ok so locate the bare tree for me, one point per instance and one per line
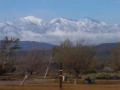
(8, 49)
(75, 58)
(115, 58)
(54, 51)
(30, 62)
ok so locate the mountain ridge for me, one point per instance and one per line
(29, 45)
(31, 28)
(102, 51)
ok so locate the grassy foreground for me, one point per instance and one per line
(56, 87)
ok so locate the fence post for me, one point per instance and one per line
(60, 75)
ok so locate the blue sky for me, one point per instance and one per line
(102, 10)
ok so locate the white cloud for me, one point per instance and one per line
(58, 36)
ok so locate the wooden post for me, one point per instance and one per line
(60, 75)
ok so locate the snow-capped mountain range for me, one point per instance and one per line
(31, 28)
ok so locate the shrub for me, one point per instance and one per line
(107, 70)
(104, 75)
(90, 71)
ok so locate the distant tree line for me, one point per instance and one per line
(76, 58)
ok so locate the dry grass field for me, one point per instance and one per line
(99, 85)
(56, 87)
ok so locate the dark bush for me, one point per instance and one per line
(2, 71)
(107, 76)
(89, 80)
(88, 71)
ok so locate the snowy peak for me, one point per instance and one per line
(29, 19)
(89, 20)
(85, 22)
(61, 20)
(31, 23)
(32, 19)
(57, 20)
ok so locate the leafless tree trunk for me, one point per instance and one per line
(26, 76)
(75, 81)
(48, 67)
